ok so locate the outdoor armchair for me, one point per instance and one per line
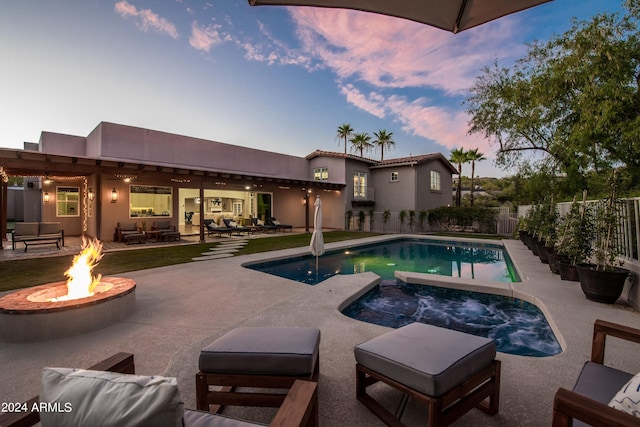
(110, 393)
(597, 385)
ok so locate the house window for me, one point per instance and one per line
(435, 181)
(237, 208)
(149, 200)
(360, 184)
(321, 174)
(67, 201)
(393, 177)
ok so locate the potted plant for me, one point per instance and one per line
(371, 213)
(574, 243)
(403, 215)
(361, 218)
(534, 225)
(349, 215)
(385, 218)
(546, 231)
(604, 280)
(412, 217)
(422, 217)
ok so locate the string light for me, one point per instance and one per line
(3, 175)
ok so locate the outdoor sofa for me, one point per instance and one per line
(110, 394)
(600, 386)
(37, 233)
(125, 229)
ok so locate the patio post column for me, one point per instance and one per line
(306, 211)
(3, 210)
(202, 210)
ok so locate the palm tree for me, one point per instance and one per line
(383, 139)
(344, 132)
(474, 156)
(360, 141)
(459, 157)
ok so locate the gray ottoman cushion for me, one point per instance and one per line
(263, 351)
(426, 358)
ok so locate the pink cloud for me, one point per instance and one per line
(397, 53)
(372, 104)
(202, 38)
(446, 127)
(146, 19)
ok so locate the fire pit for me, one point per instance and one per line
(61, 309)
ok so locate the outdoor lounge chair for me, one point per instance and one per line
(214, 228)
(279, 226)
(229, 223)
(125, 228)
(599, 387)
(126, 399)
(261, 226)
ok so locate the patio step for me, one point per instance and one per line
(221, 251)
(214, 256)
(226, 248)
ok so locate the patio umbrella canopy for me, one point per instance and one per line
(450, 15)
(316, 247)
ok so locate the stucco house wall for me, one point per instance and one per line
(394, 196)
(425, 197)
(155, 147)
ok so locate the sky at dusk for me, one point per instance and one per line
(275, 78)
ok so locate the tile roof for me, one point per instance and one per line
(416, 160)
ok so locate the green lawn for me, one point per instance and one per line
(23, 273)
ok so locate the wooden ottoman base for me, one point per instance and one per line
(445, 409)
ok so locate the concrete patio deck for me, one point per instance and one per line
(182, 308)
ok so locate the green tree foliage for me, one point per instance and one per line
(573, 101)
(383, 139)
(361, 142)
(458, 157)
(344, 132)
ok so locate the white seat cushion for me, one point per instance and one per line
(108, 399)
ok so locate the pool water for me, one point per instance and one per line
(453, 259)
(517, 326)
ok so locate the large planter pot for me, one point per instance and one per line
(568, 272)
(554, 261)
(523, 236)
(543, 253)
(602, 286)
(534, 245)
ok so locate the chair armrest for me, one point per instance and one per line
(300, 407)
(568, 405)
(601, 329)
(119, 362)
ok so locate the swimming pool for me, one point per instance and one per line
(467, 260)
(517, 326)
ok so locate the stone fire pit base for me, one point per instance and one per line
(25, 320)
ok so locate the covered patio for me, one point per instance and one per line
(99, 193)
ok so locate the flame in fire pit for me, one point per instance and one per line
(81, 283)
